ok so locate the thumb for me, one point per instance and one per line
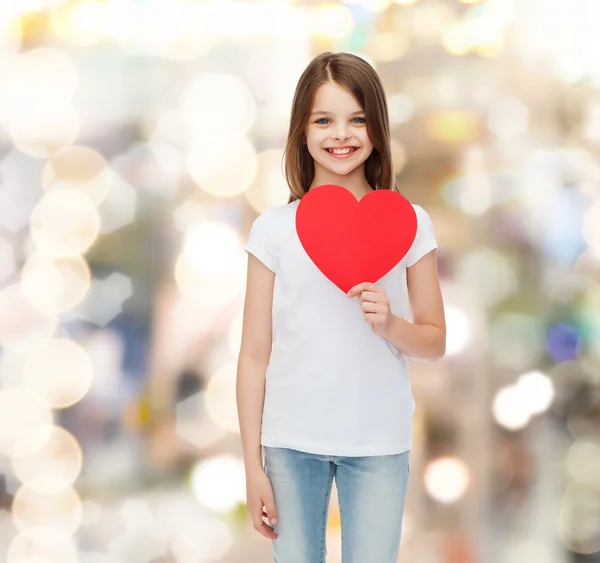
(271, 511)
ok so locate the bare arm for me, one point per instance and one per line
(255, 352)
(425, 337)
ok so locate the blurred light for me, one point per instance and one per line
(222, 166)
(192, 424)
(430, 19)
(119, 207)
(219, 483)
(40, 545)
(446, 479)
(388, 47)
(206, 539)
(60, 371)
(335, 21)
(583, 461)
(7, 259)
(405, 2)
(510, 408)
(481, 30)
(218, 102)
(210, 291)
(458, 332)
(234, 334)
(20, 410)
(269, 187)
(562, 342)
(155, 167)
(92, 513)
(11, 35)
(489, 273)
(220, 398)
(44, 135)
(399, 157)
(452, 126)
(578, 520)
(53, 284)
(79, 168)
(190, 213)
(35, 84)
(401, 108)
(517, 340)
(538, 390)
(64, 223)
(521, 550)
(592, 122)
(591, 228)
(47, 458)
(174, 30)
(60, 511)
(104, 302)
(84, 22)
(210, 247)
(22, 326)
(508, 117)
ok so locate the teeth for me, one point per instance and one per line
(340, 151)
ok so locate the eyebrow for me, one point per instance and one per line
(321, 111)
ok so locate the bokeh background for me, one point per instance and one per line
(139, 139)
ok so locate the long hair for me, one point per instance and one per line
(361, 80)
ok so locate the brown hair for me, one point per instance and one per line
(361, 80)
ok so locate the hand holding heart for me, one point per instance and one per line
(375, 305)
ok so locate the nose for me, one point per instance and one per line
(341, 136)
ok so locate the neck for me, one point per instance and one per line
(356, 184)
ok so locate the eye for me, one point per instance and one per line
(322, 118)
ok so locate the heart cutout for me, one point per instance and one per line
(353, 241)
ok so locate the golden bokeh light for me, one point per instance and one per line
(334, 20)
(51, 467)
(20, 410)
(453, 126)
(207, 290)
(218, 102)
(84, 22)
(42, 135)
(23, 326)
(80, 168)
(220, 398)
(60, 370)
(269, 188)
(40, 545)
(37, 82)
(55, 284)
(64, 223)
(60, 511)
(222, 166)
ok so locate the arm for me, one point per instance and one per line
(255, 352)
(425, 337)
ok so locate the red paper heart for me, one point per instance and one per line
(353, 241)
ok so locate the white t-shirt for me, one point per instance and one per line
(333, 386)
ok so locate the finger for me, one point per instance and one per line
(266, 531)
(357, 289)
(370, 296)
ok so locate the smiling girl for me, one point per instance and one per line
(324, 391)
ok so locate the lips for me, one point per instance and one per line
(331, 149)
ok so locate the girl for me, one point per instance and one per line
(322, 381)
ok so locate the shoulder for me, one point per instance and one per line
(423, 218)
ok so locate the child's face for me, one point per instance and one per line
(339, 126)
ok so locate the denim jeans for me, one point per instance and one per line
(371, 495)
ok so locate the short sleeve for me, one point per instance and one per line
(425, 240)
(260, 241)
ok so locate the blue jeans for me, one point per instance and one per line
(371, 495)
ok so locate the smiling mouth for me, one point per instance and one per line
(345, 152)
